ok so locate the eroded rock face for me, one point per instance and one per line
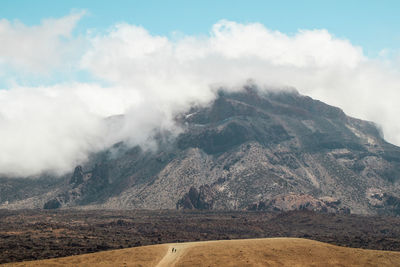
(52, 204)
(291, 202)
(202, 199)
(275, 150)
(77, 177)
(384, 203)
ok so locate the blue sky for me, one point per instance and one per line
(374, 25)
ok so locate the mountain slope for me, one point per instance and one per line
(247, 150)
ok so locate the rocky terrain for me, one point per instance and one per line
(41, 234)
(248, 150)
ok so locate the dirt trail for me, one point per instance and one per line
(171, 258)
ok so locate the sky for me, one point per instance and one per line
(372, 24)
(67, 66)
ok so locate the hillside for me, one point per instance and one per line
(246, 150)
(245, 252)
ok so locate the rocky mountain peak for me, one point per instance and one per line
(77, 177)
(271, 149)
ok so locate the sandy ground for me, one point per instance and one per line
(138, 256)
(244, 252)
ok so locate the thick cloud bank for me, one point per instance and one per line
(151, 78)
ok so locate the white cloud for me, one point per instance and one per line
(314, 61)
(40, 48)
(150, 78)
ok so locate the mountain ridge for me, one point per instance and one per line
(247, 149)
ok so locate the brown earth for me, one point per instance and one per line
(37, 234)
(139, 256)
(249, 252)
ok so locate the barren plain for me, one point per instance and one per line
(37, 234)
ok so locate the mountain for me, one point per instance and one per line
(247, 150)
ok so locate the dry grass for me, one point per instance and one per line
(139, 256)
(283, 252)
(246, 252)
